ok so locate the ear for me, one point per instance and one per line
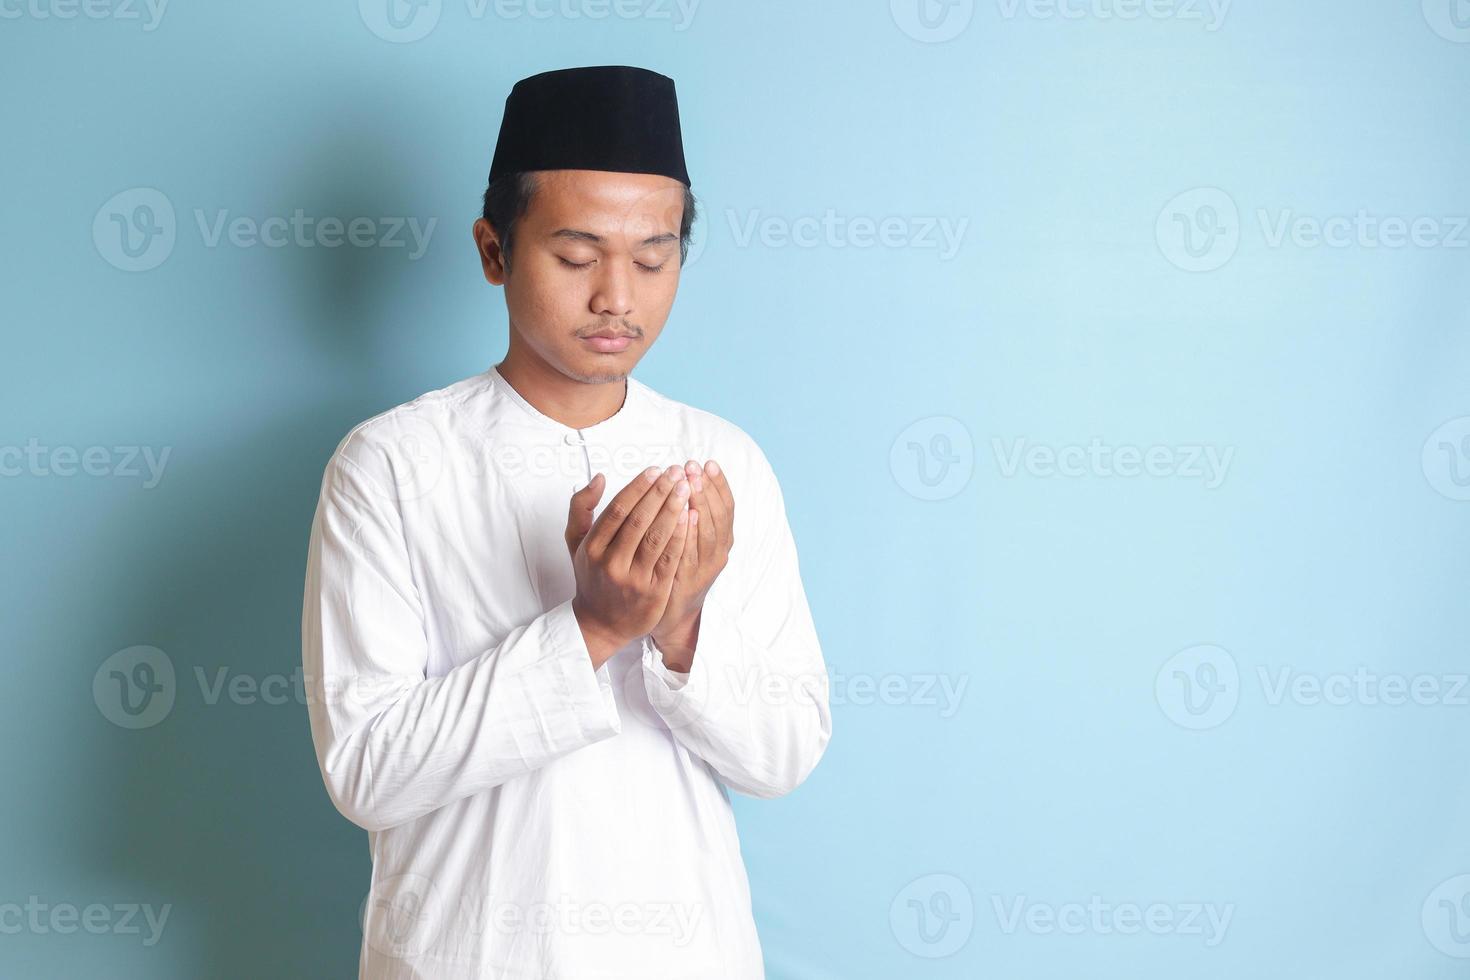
(492, 257)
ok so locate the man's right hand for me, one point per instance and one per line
(625, 562)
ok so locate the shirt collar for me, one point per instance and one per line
(633, 403)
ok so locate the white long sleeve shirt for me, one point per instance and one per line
(529, 816)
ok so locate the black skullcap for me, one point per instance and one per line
(611, 117)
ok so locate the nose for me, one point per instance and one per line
(612, 294)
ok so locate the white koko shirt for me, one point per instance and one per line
(529, 816)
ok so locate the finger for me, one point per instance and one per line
(708, 533)
(652, 547)
(694, 473)
(702, 531)
(625, 543)
(717, 477)
(689, 562)
(721, 507)
(617, 510)
(579, 511)
(667, 566)
(661, 528)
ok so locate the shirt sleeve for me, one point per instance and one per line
(754, 704)
(393, 744)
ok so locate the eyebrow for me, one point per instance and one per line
(572, 234)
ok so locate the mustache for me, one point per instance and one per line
(624, 329)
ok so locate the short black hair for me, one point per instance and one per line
(508, 196)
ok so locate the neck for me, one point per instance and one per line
(573, 403)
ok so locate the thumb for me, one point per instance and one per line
(579, 512)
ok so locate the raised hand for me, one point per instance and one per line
(625, 563)
(706, 552)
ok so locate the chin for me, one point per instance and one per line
(603, 369)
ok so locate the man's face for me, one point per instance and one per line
(594, 269)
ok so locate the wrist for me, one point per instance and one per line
(677, 642)
(601, 642)
(676, 658)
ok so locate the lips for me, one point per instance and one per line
(609, 343)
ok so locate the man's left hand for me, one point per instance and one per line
(706, 550)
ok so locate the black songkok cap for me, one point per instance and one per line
(611, 117)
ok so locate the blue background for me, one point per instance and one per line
(1077, 762)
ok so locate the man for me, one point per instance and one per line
(542, 640)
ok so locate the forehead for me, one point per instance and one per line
(616, 206)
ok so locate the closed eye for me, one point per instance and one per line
(588, 265)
